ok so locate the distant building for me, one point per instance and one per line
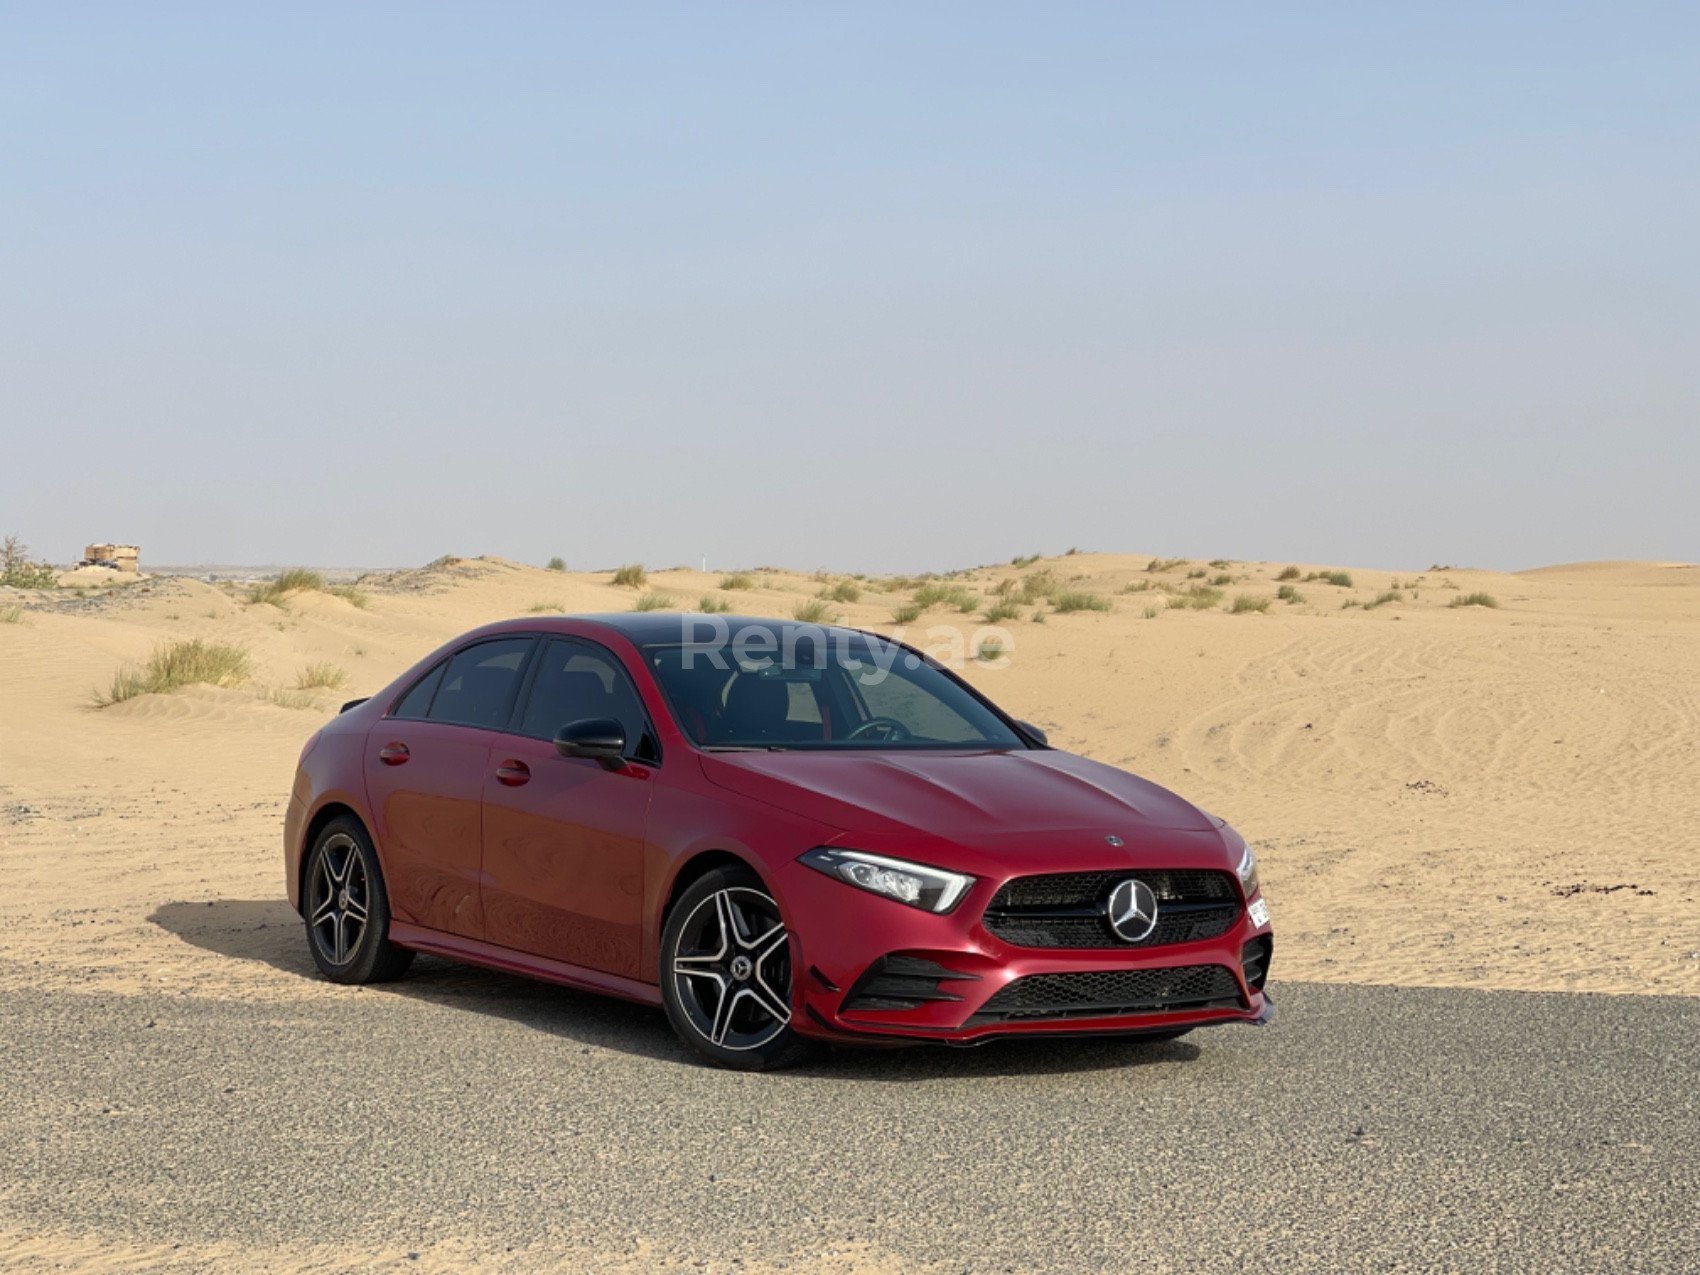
(124, 557)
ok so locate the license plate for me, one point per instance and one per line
(1258, 912)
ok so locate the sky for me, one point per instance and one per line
(870, 287)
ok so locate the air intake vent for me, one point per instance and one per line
(1112, 993)
(901, 982)
(1254, 960)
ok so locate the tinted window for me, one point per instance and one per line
(853, 691)
(478, 687)
(416, 701)
(576, 680)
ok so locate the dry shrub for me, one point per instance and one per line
(187, 663)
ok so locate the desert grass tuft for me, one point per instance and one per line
(11, 615)
(1474, 600)
(1222, 579)
(1001, 611)
(1138, 586)
(908, 613)
(632, 575)
(737, 580)
(283, 697)
(349, 594)
(1200, 597)
(1039, 587)
(1382, 599)
(1197, 573)
(1244, 602)
(990, 651)
(812, 611)
(556, 564)
(1080, 600)
(842, 591)
(1157, 565)
(1219, 563)
(933, 595)
(654, 600)
(1025, 560)
(186, 663)
(328, 676)
(1289, 594)
(1288, 573)
(295, 580)
(544, 608)
(1339, 579)
(708, 604)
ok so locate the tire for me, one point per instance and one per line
(726, 970)
(347, 909)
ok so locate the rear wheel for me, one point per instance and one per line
(726, 973)
(347, 909)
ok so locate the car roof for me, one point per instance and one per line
(643, 628)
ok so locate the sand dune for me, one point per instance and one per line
(1442, 795)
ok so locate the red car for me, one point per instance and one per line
(778, 832)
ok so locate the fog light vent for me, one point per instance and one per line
(1254, 960)
(901, 982)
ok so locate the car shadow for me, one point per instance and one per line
(269, 931)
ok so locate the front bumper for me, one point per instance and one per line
(846, 937)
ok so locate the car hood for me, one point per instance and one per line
(956, 796)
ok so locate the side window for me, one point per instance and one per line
(576, 680)
(478, 685)
(418, 700)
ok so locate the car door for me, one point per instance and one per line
(564, 836)
(425, 766)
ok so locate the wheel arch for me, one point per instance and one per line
(693, 870)
(324, 815)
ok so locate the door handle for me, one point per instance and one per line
(513, 773)
(393, 754)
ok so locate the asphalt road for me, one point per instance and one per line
(1368, 1128)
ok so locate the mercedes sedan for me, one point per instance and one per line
(778, 832)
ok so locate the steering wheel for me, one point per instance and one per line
(895, 731)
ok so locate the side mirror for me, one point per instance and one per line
(601, 738)
(1033, 730)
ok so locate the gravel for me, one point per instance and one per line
(1368, 1128)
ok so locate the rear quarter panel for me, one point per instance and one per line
(329, 774)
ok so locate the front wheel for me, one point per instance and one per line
(726, 973)
(348, 910)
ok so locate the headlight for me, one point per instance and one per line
(931, 889)
(1247, 872)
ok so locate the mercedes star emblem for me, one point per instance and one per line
(1133, 910)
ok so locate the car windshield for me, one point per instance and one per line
(786, 686)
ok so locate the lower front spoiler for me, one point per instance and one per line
(824, 1029)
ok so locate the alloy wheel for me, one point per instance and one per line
(339, 899)
(732, 969)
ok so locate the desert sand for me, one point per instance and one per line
(1440, 795)
(1495, 797)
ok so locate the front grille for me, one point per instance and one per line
(1112, 993)
(902, 982)
(1069, 909)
